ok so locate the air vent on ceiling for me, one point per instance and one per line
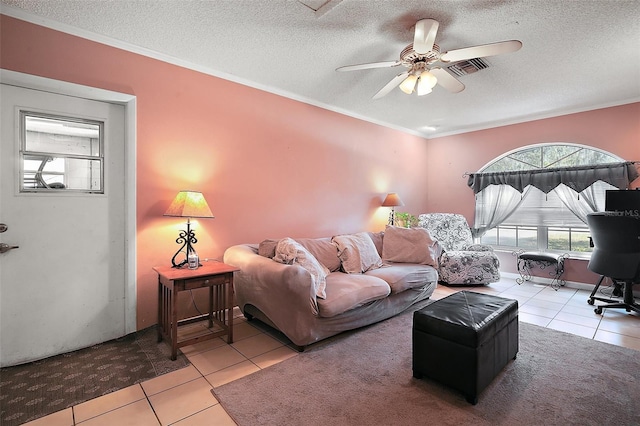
(468, 67)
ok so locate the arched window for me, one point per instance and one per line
(544, 215)
(549, 155)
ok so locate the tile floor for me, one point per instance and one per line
(184, 397)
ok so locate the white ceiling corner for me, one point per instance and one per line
(321, 6)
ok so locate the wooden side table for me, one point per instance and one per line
(218, 277)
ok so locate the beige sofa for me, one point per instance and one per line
(288, 297)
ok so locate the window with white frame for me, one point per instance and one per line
(60, 154)
(537, 197)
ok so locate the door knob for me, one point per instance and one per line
(6, 247)
(3, 227)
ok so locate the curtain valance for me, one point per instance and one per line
(577, 178)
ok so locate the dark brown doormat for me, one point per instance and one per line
(38, 388)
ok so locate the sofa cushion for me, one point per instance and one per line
(323, 250)
(290, 252)
(357, 252)
(469, 267)
(403, 276)
(348, 291)
(409, 245)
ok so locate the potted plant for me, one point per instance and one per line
(406, 220)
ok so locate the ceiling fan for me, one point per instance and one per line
(422, 59)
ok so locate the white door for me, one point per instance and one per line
(64, 287)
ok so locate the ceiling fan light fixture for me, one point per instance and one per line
(426, 83)
(428, 79)
(423, 90)
(409, 84)
(420, 59)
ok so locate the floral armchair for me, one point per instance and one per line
(461, 262)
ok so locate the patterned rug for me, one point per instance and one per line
(35, 389)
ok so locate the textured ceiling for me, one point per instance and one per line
(576, 55)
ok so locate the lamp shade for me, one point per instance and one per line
(427, 80)
(189, 204)
(392, 200)
(408, 84)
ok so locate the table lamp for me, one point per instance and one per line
(188, 204)
(392, 200)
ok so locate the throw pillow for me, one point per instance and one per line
(267, 248)
(290, 252)
(357, 253)
(377, 238)
(323, 250)
(410, 245)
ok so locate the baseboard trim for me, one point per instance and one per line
(568, 284)
(548, 281)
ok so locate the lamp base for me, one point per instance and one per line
(173, 259)
(186, 239)
(392, 217)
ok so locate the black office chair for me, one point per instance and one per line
(616, 254)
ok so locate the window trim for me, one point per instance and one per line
(23, 114)
(542, 145)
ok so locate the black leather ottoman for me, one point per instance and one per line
(465, 340)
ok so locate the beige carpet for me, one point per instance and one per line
(365, 378)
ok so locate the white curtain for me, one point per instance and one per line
(494, 204)
(588, 201)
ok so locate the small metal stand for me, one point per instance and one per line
(527, 260)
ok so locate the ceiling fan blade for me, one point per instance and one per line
(425, 35)
(481, 51)
(391, 85)
(447, 81)
(385, 64)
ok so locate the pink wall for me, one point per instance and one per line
(616, 130)
(268, 166)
